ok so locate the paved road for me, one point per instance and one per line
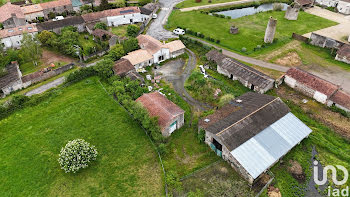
(46, 87)
(156, 28)
(246, 59)
(177, 73)
(215, 5)
(336, 32)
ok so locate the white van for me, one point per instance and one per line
(179, 31)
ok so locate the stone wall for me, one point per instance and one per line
(325, 42)
(40, 76)
(180, 122)
(300, 38)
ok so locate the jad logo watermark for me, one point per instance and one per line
(332, 191)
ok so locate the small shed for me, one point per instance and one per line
(170, 116)
(343, 54)
(253, 132)
(340, 99)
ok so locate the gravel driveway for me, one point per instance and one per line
(177, 73)
(45, 87)
(156, 28)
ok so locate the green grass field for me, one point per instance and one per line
(251, 28)
(120, 30)
(31, 139)
(193, 3)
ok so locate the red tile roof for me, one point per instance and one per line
(31, 28)
(94, 16)
(149, 43)
(54, 4)
(304, 2)
(341, 98)
(8, 9)
(122, 67)
(312, 81)
(31, 9)
(159, 106)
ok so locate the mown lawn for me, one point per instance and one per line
(251, 28)
(193, 3)
(31, 139)
(120, 30)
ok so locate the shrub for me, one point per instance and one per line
(225, 99)
(77, 154)
(162, 149)
(132, 30)
(101, 25)
(244, 49)
(201, 135)
(277, 7)
(80, 74)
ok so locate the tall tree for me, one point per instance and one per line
(130, 44)
(104, 5)
(132, 30)
(30, 49)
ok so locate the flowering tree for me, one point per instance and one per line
(76, 155)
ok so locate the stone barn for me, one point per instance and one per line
(253, 132)
(340, 99)
(170, 116)
(11, 81)
(236, 70)
(310, 85)
(343, 54)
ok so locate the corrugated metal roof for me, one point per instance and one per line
(258, 153)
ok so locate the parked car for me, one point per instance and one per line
(58, 18)
(179, 31)
(154, 16)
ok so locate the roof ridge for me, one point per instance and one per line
(246, 68)
(247, 116)
(160, 105)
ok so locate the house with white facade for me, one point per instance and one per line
(327, 3)
(115, 17)
(153, 51)
(12, 37)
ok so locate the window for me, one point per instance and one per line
(64, 7)
(20, 29)
(10, 30)
(29, 28)
(54, 9)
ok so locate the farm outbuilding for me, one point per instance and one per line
(170, 116)
(236, 70)
(343, 54)
(11, 81)
(310, 85)
(253, 132)
(340, 99)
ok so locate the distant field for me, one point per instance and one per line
(193, 3)
(31, 139)
(251, 28)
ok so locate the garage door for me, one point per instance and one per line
(172, 127)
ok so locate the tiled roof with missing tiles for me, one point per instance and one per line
(159, 106)
(312, 81)
(344, 52)
(122, 67)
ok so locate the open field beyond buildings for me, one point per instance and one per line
(193, 3)
(251, 28)
(31, 139)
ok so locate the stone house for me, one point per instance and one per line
(170, 116)
(56, 26)
(153, 51)
(58, 7)
(344, 6)
(252, 133)
(310, 85)
(11, 81)
(11, 16)
(340, 99)
(324, 42)
(13, 37)
(32, 12)
(236, 70)
(343, 54)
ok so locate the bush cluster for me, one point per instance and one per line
(200, 35)
(77, 154)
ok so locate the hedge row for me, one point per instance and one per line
(200, 35)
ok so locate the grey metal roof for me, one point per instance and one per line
(260, 152)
